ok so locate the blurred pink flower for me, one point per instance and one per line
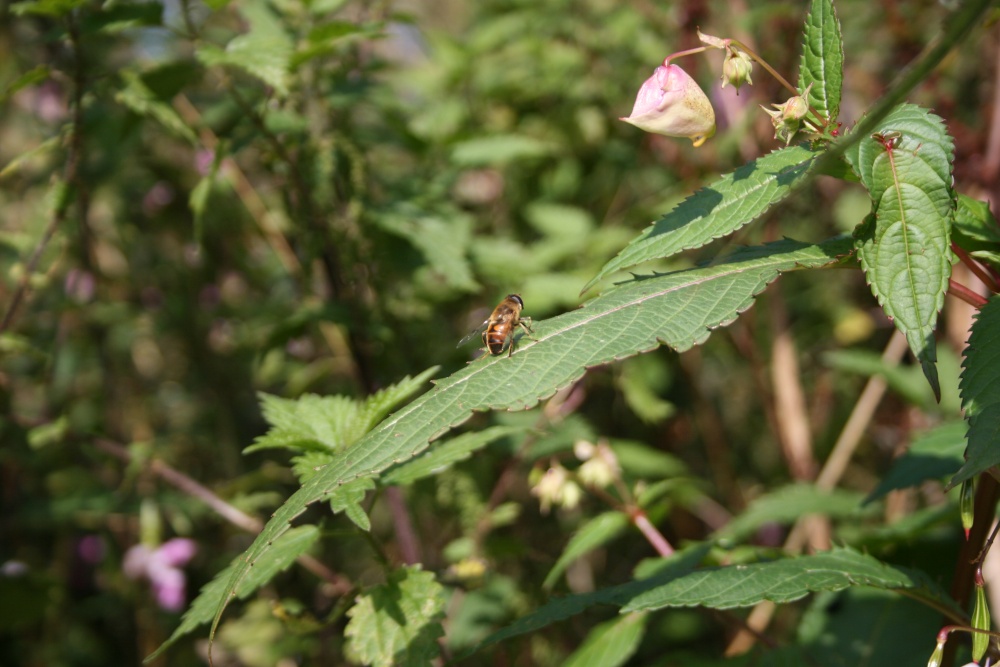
(672, 104)
(162, 566)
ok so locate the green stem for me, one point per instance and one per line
(773, 72)
(681, 54)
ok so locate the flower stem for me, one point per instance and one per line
(681, 54)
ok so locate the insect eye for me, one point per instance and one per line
(517, 298)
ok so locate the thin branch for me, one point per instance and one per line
(339, 585)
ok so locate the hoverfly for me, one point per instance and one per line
(501, 326)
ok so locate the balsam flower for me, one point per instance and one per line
(162, 566)
(671, 103)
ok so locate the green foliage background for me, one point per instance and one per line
(212, 209)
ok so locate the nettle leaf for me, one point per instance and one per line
(329, 423)
(597, 532)
(904, 246)
(610, 644)
(678, 309)
(823, 59)
(265, 52)
(719, 209)
(398, 622)
(787, 580)
(283, 552)
(980, 387)
(790, 503)
(932, 455)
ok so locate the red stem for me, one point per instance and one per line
(960, 291)
(976, 268)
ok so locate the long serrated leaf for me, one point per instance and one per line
(719, 209)
(602, 529)
(980, 388)
(678, 309)
(904, 247)
(787, 580)
(678, 565)
(823, 59)
(398, 622)
(790, 503)
(610, 644)
(283, 552)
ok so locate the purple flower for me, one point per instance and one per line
(162, 566)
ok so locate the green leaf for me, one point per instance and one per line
(678, 309)
(678, 565)
(600, 530)
(932, 455)
(980, 388)
(283, 552)
(398, 622)
(823, 59)
(498, 150)
(348, 499)
(904, 380)
(787, 580)
(264, 52)
(444, 455)
(53, 8)
(329, 423)
(904, 247)
(719, 209)
(137, 96)
(444, 243)
(786, 505)
(610, 644)
(34, 75)
(50, 144)
(976, 230)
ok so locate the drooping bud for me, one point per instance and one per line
(601, 468)
(736, 68)
(671, 103)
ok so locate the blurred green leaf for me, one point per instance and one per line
(788, 504)
(610, 644)
(595, 533)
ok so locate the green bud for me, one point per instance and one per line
(980, 621)
(736, 68)
(937, 656)
(966, 505)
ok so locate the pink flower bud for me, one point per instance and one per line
(671, 103)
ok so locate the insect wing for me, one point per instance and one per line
(478, 331)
